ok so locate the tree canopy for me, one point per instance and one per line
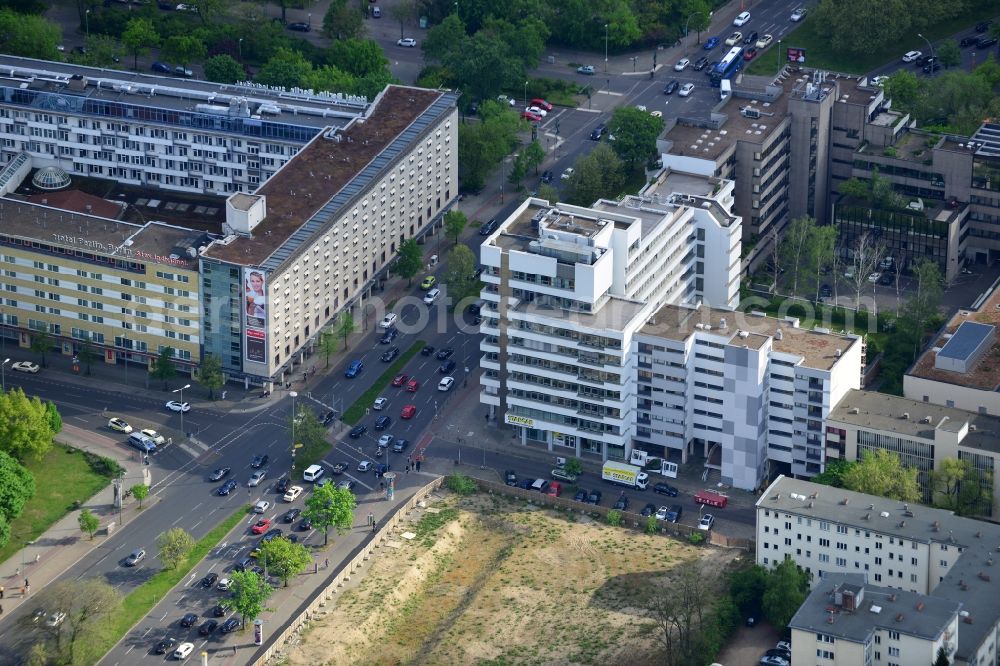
(787, 587)
(635, 133)
(29, 35)
(26, 425)
(284, 559)
(174, 545)
(248, 592)
(597, 175)
(881, 473)
(17, 486)
(330, 506)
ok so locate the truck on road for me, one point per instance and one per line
(624, 474)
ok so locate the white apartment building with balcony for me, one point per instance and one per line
(566, 289)
(915, 548)
(742, 390)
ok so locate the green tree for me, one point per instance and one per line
(455, 222)
(29, 36)
(358, 57)
(183, 49)
(518, 170)
(787, 588)
(223, 68)
(484, 65)
(163, 366)
(459, 274)
(833, 473)
(410, 260)
(331, 78)
(405, 11)
(881, 472)
(678, 611)
(924, 303)
(345, 326)
(88, 604)
(17, 486)
(174, 545)
(482, 145)
(87, 354)
(955, 485)
(343, 20)
(855, 188)
(292, 4)
(597, 175)
(285, 68)
(949, 53)
(699, 16)
(138, 38)
(248, 592)
(614, 518)
(140, 491)
(574, 466)
(444, 38)
(905, 88)
(41, 343)
(747, 587)
(635, 135)
(326, 343)
(330, 506)
(311, 434)
(548, 193)
(652, 525)
(88, 523)
(101, 51)
(284, 559)
(25, 425)
(53, 418)
(38, 655)
(794, 245)
(210, 374)
(820, 255)
(533, 155)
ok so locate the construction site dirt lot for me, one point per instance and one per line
(491, 580)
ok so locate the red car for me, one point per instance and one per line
(262, 526)
(409, 412)
(533, 117)
(541, 104)
(399, 380)
(412, 385)
(555, 489)
(750, 53)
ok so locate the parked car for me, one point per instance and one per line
(207, 627)
(188, 620)
(340, 468)
(292, 494)
(986, 42)
(428, 282)
(706, 522)
(665, 489)
(261, 526)
(165, 646)
(488, 228)
(541, 103)
(232, 624)
(209, 581)
(291, 515)
(385, 440)
(648, 510)
(26, 366)
(510, 478)
(184, 650)
(261, 506)
(621, 504)
(594, 497)
(160, 68)
(661, 513)
(562, 475)
(581, 495)
(911, 56)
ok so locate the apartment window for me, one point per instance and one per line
(824, 654)
(825, 526)
(894, 635)
(893, 651)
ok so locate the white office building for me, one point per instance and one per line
(915, 548)
(567, 287)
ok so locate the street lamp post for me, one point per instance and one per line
(3, 373)
(294, 395)
(181, 391)
(931, 47)
(778, 52)
(239, 45)
(125, 357)
(605, 48)
(86, 22)
(526, 94)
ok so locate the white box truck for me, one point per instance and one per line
(624, 474)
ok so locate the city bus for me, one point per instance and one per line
(728, 66)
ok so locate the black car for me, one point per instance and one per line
(581, 495)
(271, 534)
(284, 483)
(932, 67)
(488, 228)
(665, 489)
(594, 498)
(547, 177)
(305, 524)
(244, 564)
(510, 478)
(259, 570)
(188, 620)
(986, 42)
(259, 461)
(778, 652)
(825, 291)
(357, 431)
(598, 132)
(446, 367)
(427, 351)
(983, 26)
(389, 335)
(227, 487)
(219, 473)
(291, 515)
(671, 87)
(165, 646)
(209, 580)
(340, 468)
(886, 279)
(751, 38)
(526, 484)
(923, 60)
(207, 627)
(229, 625)
(160, 68)
(218, 610)
(329, 417)
(382, 422)
(621, 504)
(444, 354)
(298, 26)
(701, 63)
(390, 355)
(971, 40)
(648, 510)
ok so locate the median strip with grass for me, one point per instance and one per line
(355, 412)
(140, 601)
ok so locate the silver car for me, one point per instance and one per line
(256, 478)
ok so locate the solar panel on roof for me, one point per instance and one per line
(967, 339)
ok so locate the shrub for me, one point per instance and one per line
(461, 484)
(614, 518)
(652, 525)
(696, 538)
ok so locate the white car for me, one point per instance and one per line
(798, 14)
(765, 41)
(742, 18)
(431, 296)
(734, 39)
(661, 513)
(385, 440)
(878, 80)
(261, 506)
(911, 56)
(292, 493)
(567, 174)
(445, 384)
(183, 650)
(25, 366)
(681, 65)
(685, 89)
(256, 478)
(175, 406)
(656, 114)
(537, 110)
(224, 584)
(388, 320)
(119, 425)
(706, 522)
(873, 278)
(155, 436)
(365, 466)
(55, 619)
(380, 403)
(406, 41)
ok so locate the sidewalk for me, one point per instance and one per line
(63, 544)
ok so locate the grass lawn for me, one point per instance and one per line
(820, 55)
(52, 501)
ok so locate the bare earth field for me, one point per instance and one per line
(492, 581)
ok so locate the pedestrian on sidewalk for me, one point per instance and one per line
(1, 591)
(373, 526)
(26, 583)
(407, 469)
(326, 563)
(1, 609)
(37, 557)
